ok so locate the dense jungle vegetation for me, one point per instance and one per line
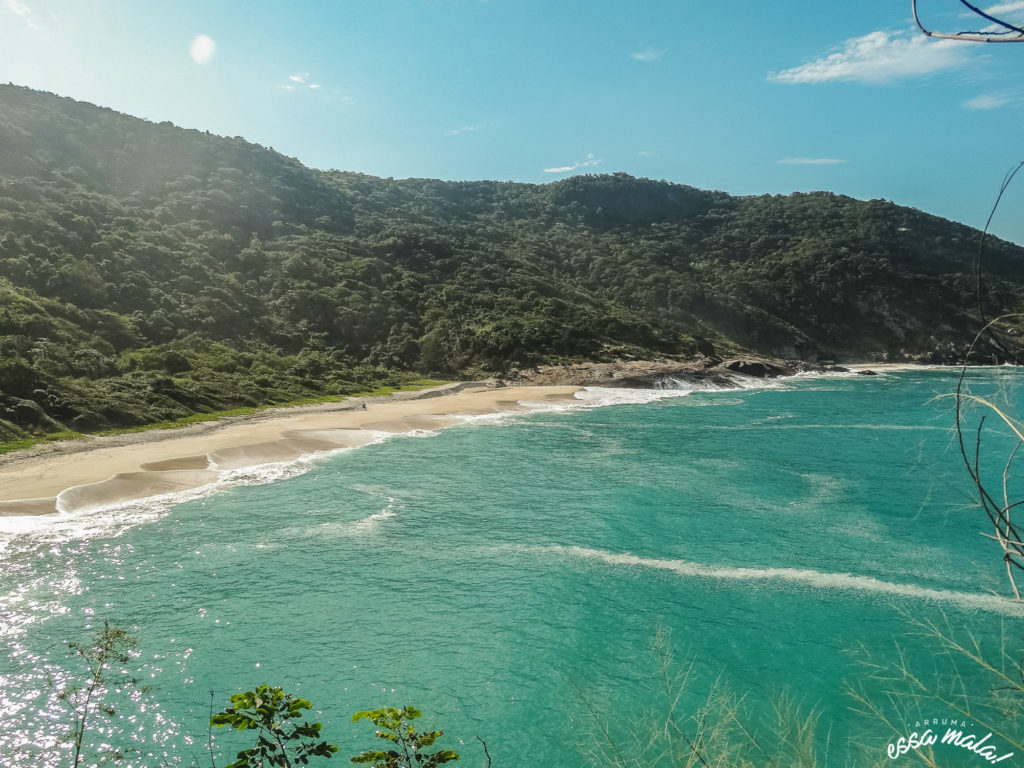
(149, 272)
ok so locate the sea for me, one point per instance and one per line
(651, 576)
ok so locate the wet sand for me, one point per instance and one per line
(105, 471)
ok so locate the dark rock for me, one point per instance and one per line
(705, 347)
(803, 366)
(761, 369)
(867, 372)
(632, 374)
(671, 379)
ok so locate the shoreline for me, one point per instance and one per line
(99, 472)
(106, 471)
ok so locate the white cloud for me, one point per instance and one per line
(987, 101)
(590, 162)
(999, 10)
(648, 54)
(463, 129)
(202, 49)
(809, 161)
(879, 57)
(23, 11)
(1011, 12)
(300, 80)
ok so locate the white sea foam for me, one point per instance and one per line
(363, 526)
(720, 401)
(883, 368)
(370, 523)
(600, 397)
(418, 433)
(794, 576)
(763, 424)
(112, 517)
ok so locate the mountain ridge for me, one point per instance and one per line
(151, 272)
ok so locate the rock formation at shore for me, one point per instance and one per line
(669, 374)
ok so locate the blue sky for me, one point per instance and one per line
(748, 97)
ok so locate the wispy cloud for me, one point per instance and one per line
(590, 162)
(463, 129)
(649, 54)
(300, 80)
(879, 57)
(1002, 9)
(202, 49)
(987, 101)
(809, 161)
(1011, 13)
(1005, 8)
(24, 12)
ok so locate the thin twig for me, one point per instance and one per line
(1007, 535)
(486, 753)
(1012, 34)
(209, 732)
(979, 292)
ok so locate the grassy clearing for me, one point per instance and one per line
(28, 442)
(198, 418)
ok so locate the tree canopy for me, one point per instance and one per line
(148, 272)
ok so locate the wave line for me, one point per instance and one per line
(808, 577)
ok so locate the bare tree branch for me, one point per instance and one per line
(1010, 34)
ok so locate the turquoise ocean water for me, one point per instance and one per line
(508, 576)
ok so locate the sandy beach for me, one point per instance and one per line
(108, 470)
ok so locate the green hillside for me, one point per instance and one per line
(149, 273)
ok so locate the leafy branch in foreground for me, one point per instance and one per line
(395, 725)
(280, 740)
(105, 657)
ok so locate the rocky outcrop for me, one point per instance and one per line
(633, 374)
(664, 374)
(653, 374)
(757, 367)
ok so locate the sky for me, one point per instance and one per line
(745, 96)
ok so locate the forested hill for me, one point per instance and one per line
(149, 272)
